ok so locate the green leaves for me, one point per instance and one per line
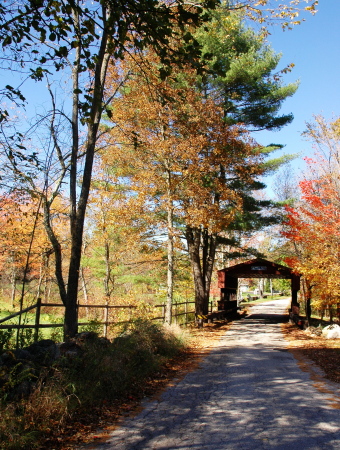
(41, 35)
(241, 73)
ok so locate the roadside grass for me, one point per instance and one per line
(8, 336)
(269, 298)
(104, 372)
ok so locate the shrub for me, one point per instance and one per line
(103, 371)
(106, 371)
(5, 338)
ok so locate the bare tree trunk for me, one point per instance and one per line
(330, 313)
(307, 294)
(193, 237)
(78, 210)
(47, 281)
(261, 287)
(13, 286)
(109, 280)
(170, 245)
(209, 253)
(85, 293)
(41, 277)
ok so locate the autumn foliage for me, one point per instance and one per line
(23, 243)
(171, 141)
(313, 224)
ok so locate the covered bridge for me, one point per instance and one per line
(255, 268)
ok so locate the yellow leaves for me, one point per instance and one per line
(285, 14)
(312, 8)
(335, 127)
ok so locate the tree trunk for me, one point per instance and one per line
(193, 237)
(109, 280)
(41, 276)
(308, 310)
(261, 287)
(70, 321)
(13, 286)
(78, 208)
(85, 293)
(170, 271)
(307, 293)
(202, 249)
(71, 309)
(47, 281)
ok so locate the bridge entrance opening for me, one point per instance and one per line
(255, 268)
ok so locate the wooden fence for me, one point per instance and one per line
(37, 325)
(179, 309)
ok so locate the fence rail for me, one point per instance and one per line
(37, 325)
(176, 312)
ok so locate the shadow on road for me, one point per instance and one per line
(266, 313)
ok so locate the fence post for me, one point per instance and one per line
(37, 320)
(164, 312)
(106, 318)
(186, 312)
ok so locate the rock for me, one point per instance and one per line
(90, 337)
(22, 390)
(43, 352)
(7, 359)
(70, 349)
(331, 332)
(313, 331)
(85, 336)
(23, 354)
(20, 369)
(104, 341)
(17, 377)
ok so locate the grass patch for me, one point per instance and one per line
(263, 300)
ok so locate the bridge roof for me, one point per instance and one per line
(257, 268)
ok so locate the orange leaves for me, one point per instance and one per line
(170, 143)
(17, 222)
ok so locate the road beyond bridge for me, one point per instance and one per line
(249, 393)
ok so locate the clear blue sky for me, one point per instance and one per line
(314, 48)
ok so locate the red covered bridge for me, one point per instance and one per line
(255, 268)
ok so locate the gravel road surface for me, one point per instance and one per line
(248, 393)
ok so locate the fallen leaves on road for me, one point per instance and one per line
(324, 352)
